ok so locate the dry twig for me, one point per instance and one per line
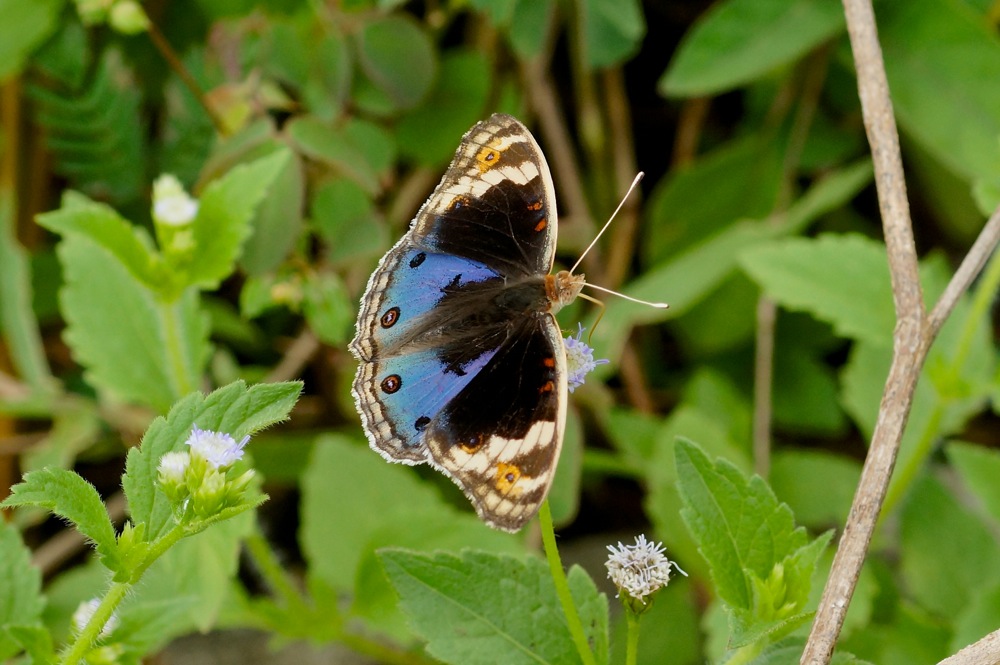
(915, 330)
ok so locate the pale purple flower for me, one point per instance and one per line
(219, 449)
(173, 466)
(579, 360)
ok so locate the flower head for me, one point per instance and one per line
(579, 360)
(85, 612)
(172, 206)
(219, 449)
(173, 466)
(640, 569)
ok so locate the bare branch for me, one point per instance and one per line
(984, 652)
(973, 263)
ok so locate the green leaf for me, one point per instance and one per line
(234, 409)
(349, 493)
(817, 485)
(937, 55)
(979, 468)
(198, 571)
(613, 30)
(130, 245)
(277, 224)
(744, 177)
(328, 307)
(740, 526)
(529, 26)
(841, 279)
(133, 346)
(399, 58)
(25, 25)
(21, 601)
(223, 222)
(472, 607)
(334, 147)
(338, 208)
(427, 531)
(686, 279)
(947, 553)
(35, 639)
(72, 498)
(18, 321)
(429, 134)
(739, 41)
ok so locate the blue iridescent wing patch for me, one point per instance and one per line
(462, 365)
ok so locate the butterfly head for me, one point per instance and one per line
(562, 288)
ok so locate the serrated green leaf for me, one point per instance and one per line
(613, 30)
(25, 26)
(72, 498)
(398, 57)
(132, 345)
(234, 409)
(130, 245)
(225, 209)
(843, 280)
(738, 523)
(473, 607)
(738, 41)
(425, 531)
(21, 601)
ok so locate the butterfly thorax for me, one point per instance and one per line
(562, 288)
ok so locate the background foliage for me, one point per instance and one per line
(312, 131)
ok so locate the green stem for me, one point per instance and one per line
(562, 585)
(183, 384)
(274, 575)
(86, 638)
(632, 645)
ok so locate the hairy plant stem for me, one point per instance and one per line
(562, 585)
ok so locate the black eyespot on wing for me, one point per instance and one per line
(390, 317)
(391, 383)
(421, 423)
(417, 260)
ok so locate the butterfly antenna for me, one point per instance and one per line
(658, 305)
(593, 242)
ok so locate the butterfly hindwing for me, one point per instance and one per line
(499, 438)
(461, 363)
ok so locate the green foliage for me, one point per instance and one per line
(761, 563)
(740, 41)
(95, 129)
(475, 606)
(309, 134)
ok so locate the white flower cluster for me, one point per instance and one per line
(172, 206)
(639, 569)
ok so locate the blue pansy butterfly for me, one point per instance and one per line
(462, 365)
